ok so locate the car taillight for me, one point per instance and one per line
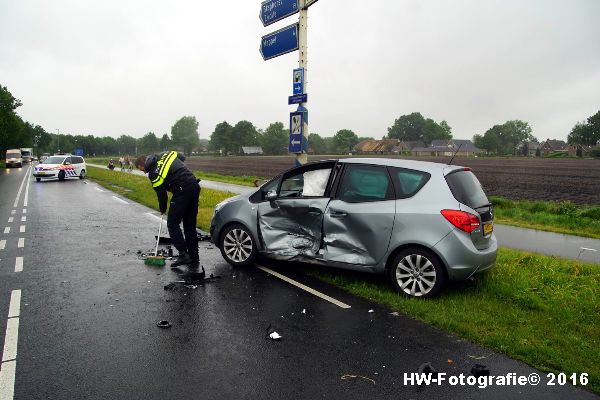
(462, 220)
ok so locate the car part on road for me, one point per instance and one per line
(156, 259)
(237, 245)
(480, 370)
(163, 324)
(417, 272)
(426, 368)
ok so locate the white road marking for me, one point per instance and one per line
(2, 244)
(7, 380)
(10, 219)
(14, 309)
(121, 200)
(21, 242)
(27, 189)
(13, 212)
(23, 218)
(7, 229)
(10, 340)
(21, 188)
(19, 264)
(304, 287)
(24, 211)
(153, 216)
(22, 229)
(98, 189)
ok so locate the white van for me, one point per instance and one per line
(13, 158)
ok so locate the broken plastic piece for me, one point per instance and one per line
(274, 336)
(348, 376)
(395, 314)
(371, 311)
(426, 368)
(163, 324)
(304, 311)
(480, 370)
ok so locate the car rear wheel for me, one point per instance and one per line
(417, 272)
(82, 174)
(237, 246)
(61, 175)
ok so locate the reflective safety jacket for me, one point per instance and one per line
(167, 172)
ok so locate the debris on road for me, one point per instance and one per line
(371, 311)
(274, 336)
(450, 361)
(395, 314)
(163, 324)
(480, 370)
(350, 376)
(479, 357)
(304, 311)
(426, 368)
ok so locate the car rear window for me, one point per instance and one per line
(466, 188)
(408, 181)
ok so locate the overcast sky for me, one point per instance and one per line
(115, 67)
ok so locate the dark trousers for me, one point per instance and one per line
(184, 208)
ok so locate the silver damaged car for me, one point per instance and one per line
(421, 223)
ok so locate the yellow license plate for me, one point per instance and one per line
(488, 228)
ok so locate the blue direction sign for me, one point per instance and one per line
(279, 42)
(274, 10)
(298, 81)
(298, 99)
(296, 128)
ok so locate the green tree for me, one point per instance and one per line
(165, 142)
(586, 133)
(243, 134)
(127, 144)
(12, 127)
(344, 140)
(414, 126)
(317, 143)
(275, 139)
(185, 134)
(220, 139)
(148, 143)
(504, 139)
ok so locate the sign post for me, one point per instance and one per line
(302, 157)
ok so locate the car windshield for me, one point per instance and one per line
(54, 160)
(25, 153)
(13, 155)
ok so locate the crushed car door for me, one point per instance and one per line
(358, 222)
(290, 224)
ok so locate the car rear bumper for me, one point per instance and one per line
(461, 257)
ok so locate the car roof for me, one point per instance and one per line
(426, 166)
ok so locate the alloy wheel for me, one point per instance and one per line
(237, 245)
(416, 275)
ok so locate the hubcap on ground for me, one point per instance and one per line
(416, 275)
(237, 245)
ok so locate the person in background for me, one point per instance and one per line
(167, 172)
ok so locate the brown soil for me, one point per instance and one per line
(515, 178)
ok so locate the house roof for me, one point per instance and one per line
(376, 145)
(556, 145)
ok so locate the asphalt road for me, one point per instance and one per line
(78, 319)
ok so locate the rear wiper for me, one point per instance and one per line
(485, 205)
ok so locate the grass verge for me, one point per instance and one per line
(139, 189)
(246, 180)
(542, 310)
(560, 217)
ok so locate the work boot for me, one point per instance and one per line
(182, 259)
(194, 264)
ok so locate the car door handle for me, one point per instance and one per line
(338, 214)
(314, 211)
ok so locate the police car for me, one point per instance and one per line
(60, 166)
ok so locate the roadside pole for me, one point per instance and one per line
(302, 157)
(291, 38)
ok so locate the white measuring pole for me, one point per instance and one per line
(302, 158)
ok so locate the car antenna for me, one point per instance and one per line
(457, 150)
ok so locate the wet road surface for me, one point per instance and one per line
(85, 309)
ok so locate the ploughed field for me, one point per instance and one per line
(515, 178)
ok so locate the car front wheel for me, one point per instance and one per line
(61, 175)
(82, 174)
(237, 246)
(417, 272)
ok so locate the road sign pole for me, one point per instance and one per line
(302, 158)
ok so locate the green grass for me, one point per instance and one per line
(561, 217)
(246, 180)
(542, 310)
(139, 189)
(2, 164)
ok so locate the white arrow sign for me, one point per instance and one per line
(296, 141)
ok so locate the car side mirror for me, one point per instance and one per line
(271, 195)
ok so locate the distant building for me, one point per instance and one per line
(370, 146)
(579, 150)
(528, 148)
(553, 146)
(460, 147)
(405, 147)
(251, 150)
